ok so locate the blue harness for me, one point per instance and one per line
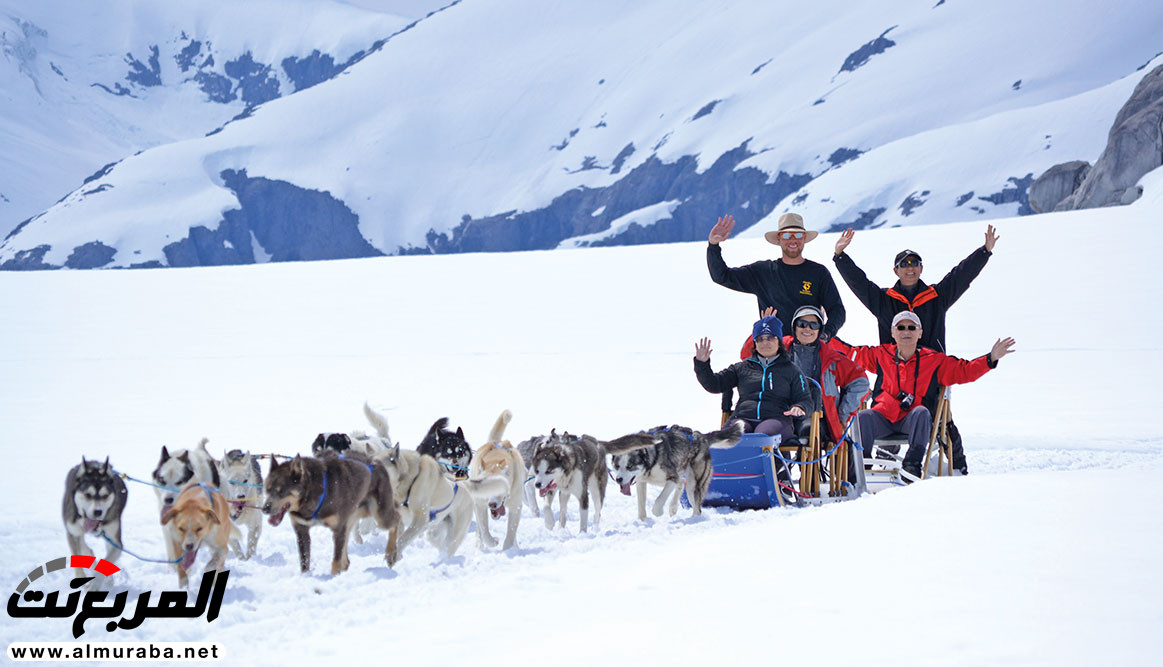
(431, 512)
(321, 498)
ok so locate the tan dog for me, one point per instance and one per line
(199, 516)
(428, 501)
(498, 460)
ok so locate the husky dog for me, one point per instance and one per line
(199, 516)
(94, 498)
(331, 491)
(428, 500)
(447, 447)
(242, 484)
(577, 467)
(356, 441)
(683, 452)
(175, 471)
(498, 458)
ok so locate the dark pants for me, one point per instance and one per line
(780, 427)
(917, 425)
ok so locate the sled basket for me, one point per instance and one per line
(744, 475)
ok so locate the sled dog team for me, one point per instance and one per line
(355, 482)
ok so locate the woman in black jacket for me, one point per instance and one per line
(771, 389)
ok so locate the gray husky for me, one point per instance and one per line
(682, 453)
(242, 485)
(94, 498)
(576, 466)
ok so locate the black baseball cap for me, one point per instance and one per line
(905, 254)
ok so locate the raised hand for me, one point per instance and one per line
(721, 230)
(845, 239)
(990, 238)
(796, 411)
(769, 311)
(703, 350)
(1001, 348)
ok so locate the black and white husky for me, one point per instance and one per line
(576, 466)
(242, 486)
(175, 471)
(682, 456)
(449, 448)
(94, 498)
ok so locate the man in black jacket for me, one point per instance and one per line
(784, 284)
(928, 302)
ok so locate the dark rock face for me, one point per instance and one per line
(29, 260)
(141, 74)
(1017, 193)
(704, 197)
(92, 255)
(1058, 183)
(288, 222)
(1134, 147)
(865, 220)
(256, 81)
(913, 201)
(315, 68)
(860, 57)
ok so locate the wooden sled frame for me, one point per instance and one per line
(938, 440)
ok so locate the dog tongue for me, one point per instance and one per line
(497, 511)
(625, 489)
(277, 518)
(188, 559)
(91, 525)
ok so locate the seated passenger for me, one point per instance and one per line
(843, 384)
(771, 389)
(906, 372)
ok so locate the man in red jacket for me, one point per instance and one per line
(905, 373)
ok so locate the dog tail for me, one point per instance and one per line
(498, 431)
(629, 443)
(726, 438)
(378, 421)
(486, 487)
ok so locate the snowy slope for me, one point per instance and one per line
(85, 84)
(1046, 554)
(506, 125)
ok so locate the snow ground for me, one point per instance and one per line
(1046, 554)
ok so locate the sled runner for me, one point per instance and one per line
(883, 459)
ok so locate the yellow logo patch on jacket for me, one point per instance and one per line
(807, 288)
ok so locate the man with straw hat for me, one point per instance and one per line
(786, 283)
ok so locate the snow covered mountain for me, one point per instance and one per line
(527, 124)
(85, 84)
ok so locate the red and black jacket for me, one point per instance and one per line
(929, 302)
(918, 375)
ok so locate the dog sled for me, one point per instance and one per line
(761, 472)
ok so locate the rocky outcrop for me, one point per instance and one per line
(1058, 183)
(1134, 147)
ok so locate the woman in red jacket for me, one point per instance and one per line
(906, 372)
(842, 383)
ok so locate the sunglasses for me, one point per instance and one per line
(807, 324)
(765, 338)
(906, 327)
(911, 261)
(787, 236)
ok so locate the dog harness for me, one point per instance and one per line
(431, 512)
(672, 428)
(321, 497)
